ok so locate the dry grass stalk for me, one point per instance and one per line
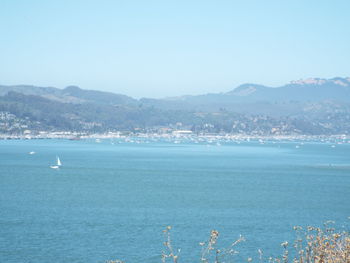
(209, 246)
(321, 246)
(169, 253)
(312, 245)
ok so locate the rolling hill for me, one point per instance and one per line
(312, 106)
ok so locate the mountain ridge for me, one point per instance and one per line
(242, 90)
(312, 106)
(70, 94)
(309, 90)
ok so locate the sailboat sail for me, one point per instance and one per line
(58, 161)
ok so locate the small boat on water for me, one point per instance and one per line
(58, 164)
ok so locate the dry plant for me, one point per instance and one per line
(312, 245)
(316, 245)
(220, 254)
(169, 251)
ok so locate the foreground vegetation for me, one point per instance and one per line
(312, 245)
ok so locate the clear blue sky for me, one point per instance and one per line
(167, 48)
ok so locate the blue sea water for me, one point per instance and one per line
(111, 200)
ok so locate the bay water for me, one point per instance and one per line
(111, 200)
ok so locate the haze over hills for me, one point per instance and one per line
(259, 99)
(71, 94)
(311, 106)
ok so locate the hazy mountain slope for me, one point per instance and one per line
(48, 114)
(253, 98)
(303, 90)
(29, 90)
(313, 106)
(71, 94)
(98, 96)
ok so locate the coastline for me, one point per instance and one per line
(173, 136)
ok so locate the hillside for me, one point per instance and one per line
(313, 106)
(291, 99)
(71, 94)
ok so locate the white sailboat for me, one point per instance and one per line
(58, 163)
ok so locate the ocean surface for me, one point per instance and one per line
(111, 200)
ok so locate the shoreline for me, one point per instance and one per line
(172, 136)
